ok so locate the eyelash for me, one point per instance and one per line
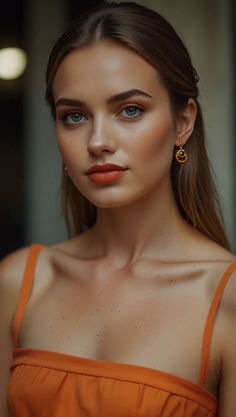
(133, 106)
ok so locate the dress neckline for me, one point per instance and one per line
(116, 370)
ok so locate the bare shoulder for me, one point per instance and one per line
(227, 390)
(12, 269)
(11, 273)
(223, 260)
(228, 301)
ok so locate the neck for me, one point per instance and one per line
(149, 227)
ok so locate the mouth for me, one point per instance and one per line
(105, 173)
(106, 167)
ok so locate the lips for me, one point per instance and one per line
(105, 174)
(105, 167)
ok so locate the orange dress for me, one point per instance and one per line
(51, 384)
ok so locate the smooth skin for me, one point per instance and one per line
(141, 272)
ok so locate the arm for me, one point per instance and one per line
(11, 274)
(227, 389)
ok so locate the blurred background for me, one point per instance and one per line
(30, 164)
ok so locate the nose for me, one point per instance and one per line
(100, 140)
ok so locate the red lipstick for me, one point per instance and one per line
(105, 173)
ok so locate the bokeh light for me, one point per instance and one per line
(13, 63)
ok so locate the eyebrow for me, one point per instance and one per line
(111, 100)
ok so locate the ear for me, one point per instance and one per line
(185, 122)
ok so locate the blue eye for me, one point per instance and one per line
(73, 118)
(132, 111)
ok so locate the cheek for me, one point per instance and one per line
(61, 142)
(69, 146)
(155, 141)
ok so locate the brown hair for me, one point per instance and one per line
(152, 37)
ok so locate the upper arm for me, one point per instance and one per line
(227, 389)
(11, 274)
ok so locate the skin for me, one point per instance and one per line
(141, 273)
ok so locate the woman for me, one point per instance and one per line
(120, 319)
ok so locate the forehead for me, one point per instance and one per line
(104, 67)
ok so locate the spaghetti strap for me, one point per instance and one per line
(25, 289)
(206, 343)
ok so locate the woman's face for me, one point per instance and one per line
(111, 107)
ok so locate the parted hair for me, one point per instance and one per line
(151, 36)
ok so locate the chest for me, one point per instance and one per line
(157, 323)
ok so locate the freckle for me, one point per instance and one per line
(63, 317)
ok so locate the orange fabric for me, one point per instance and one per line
(52, 384)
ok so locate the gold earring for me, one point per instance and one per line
(181, 156)
(66, 171)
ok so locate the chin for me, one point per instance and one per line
(115, 201)
(108, 204)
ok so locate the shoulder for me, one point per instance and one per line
(11, 273)
(225, 329)
(229, 295)
(12, 267)
(218, 261)
(227, 317)
(223, 264)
